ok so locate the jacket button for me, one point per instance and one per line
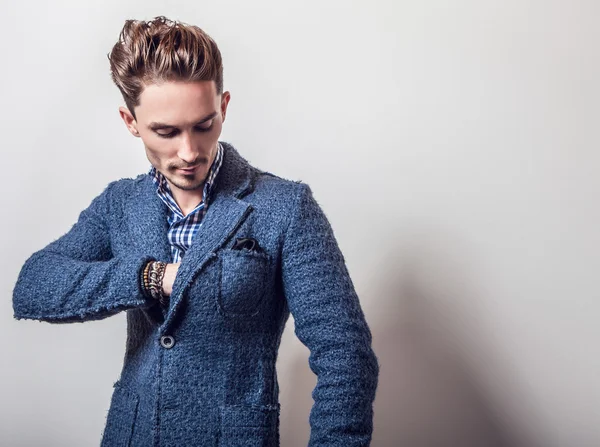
(167, 341)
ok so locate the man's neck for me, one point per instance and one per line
(187, 200)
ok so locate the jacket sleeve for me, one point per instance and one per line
(76, 277)
(330, 322)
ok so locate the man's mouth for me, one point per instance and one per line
(188, 170)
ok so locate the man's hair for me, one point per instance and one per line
(160, 50)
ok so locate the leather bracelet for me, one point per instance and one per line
(155, 281)
(151, 279)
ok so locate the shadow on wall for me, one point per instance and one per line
(299, 386)
(427, 394)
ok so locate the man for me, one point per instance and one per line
(207, 255)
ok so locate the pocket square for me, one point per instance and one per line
(247, 243)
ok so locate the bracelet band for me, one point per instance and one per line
(156, 274)
(152, 277)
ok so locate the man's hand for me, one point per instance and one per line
(169, 278)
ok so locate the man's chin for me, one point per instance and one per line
(188, 185)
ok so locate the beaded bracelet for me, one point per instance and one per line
(144, 279)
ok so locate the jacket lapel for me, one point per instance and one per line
(226, 211)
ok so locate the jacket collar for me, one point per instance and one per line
(148, 224)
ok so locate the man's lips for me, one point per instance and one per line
(188, 170)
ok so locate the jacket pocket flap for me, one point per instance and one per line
(250, 415)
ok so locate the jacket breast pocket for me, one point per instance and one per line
(243, 281)
(121, 418)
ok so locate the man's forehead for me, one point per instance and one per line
(178, 103)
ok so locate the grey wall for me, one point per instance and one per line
(454, 147)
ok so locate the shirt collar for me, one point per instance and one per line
(164, 191)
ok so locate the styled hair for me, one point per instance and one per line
(160, 50)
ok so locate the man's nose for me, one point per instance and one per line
(188, 151)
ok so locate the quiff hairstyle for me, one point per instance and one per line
(160, 50)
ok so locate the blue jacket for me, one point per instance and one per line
(202, 372)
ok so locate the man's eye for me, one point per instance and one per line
(172, 134)
(206, 128)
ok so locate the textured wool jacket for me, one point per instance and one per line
(202, 371)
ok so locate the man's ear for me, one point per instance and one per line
(129, 121)
(224, 102)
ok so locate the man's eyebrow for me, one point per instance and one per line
(157, 125)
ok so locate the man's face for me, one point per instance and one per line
(180, 124)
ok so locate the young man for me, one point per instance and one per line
(208, 256)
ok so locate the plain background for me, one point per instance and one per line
(453, 146)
